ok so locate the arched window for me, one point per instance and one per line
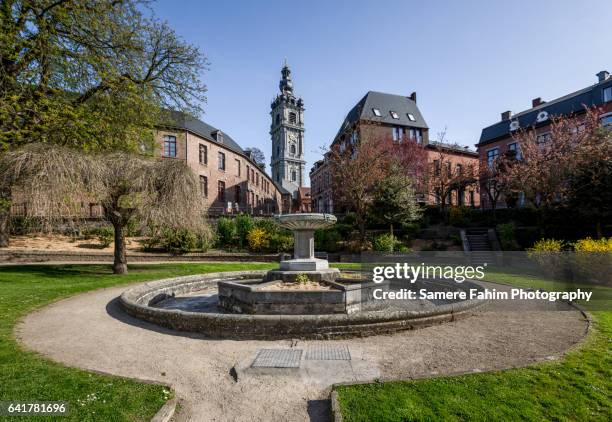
(292, 149)
(292, 117)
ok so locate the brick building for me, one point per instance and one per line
(378, 115)
(498, 138)
(230, 181)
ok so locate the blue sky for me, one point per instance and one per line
(467, 60)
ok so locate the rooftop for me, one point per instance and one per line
(540, 114)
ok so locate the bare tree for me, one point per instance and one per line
(53, 180)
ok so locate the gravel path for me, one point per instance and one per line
(90, 331)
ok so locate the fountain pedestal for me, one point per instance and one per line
(303, 227)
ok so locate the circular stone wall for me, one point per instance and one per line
(138, 302)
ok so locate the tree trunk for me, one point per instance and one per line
(120, 262)
(5, 215)
(391, 229)
(598, 230)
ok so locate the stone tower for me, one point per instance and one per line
(287, 132)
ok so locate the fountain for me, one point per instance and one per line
(304, 297)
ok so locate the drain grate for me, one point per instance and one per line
(277, 358)
(327, 352)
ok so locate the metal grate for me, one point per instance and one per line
(277, 358)
(327, 352)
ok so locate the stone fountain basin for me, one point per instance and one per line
(257, 297)
(305, 221)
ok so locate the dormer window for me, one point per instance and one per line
(219, 136)
(394, 114)
(411, 117)
(376, 112)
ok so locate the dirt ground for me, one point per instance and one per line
(90, 331)
(58, 242)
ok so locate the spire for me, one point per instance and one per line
(286, 85)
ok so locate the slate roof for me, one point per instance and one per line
(385, 103)
(568, 104)
(180, 120)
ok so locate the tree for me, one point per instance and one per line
(90, 74)
(257, 156)
(355, 173)
(548, 163)
(444, 176)
(395, 201)
(126, 185)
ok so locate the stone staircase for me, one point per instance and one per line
(479, 246)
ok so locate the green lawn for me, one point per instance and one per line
(577, 388)
(28, 376)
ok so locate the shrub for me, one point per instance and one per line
(266, 224)
(226, 232)
(178, 240)
(105, 236)
(328, 240)
(507, 236)
(258, 239)
(593, 259)
(459, 216)
(411, 230)
(281, 242)
(548, 254)
(244, 223)
(302, 278)
(384, 243)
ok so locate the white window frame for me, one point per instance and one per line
(376, 112)
(411, 117)
(394, 114)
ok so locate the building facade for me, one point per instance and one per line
(287, 134)
(498, 138)
(378, 115)
(230, 182)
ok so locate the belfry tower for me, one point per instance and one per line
(287, 132)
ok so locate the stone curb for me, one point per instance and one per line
(166, 412)
(42, 256)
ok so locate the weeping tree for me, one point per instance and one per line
(90, 74)
(128, 186)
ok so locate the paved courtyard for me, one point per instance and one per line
(215, 380)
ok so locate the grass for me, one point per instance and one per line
(25, 375)
(577, 388)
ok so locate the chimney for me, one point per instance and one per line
(413, 96)
(537, 101)
(603, 76)
(506, 115)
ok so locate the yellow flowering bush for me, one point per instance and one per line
(548, 254)
(593, 259)
(258, 239)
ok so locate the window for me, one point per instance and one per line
(416, 134)
(293, 176)
(460, 169)
(238, 169)
(543, 138)
(204, 186)
(221, 161)
(354, 137)
(606, 121)
(492, 155)
(277, 118)
(221, 191)
(169, 146)
(203, 154)
(411, 117)
(257, 179)
(516, 150)
(607, 94)
(292, 149)
(398, 133)
(394, 114)
(436, 167)
(292, 118)
(376, 112)
(448, 169)
(237, 194)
